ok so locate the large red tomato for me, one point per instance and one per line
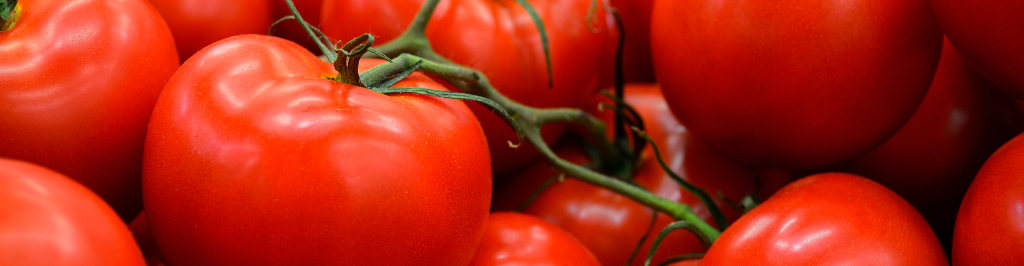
(49, 219)
(932, 159)
(198, 23)
(610, 224)
(990, 225)
(990, 34)
(829, 219)
(499, 39)
(519, 239)
(253, 157)
(636, 19)
(78, 80)
(791, 83)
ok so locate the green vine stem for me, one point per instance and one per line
(8, 14)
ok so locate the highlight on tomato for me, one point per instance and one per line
(78, 80)
(49, 219)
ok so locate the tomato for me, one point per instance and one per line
(988, 226)
(794, 84)
(140, 230)
(198, 23)
(79, 79)
(829, 219)
(253, 157)
(932, 159)
(990, 34)
(610, 224)
(499, 39)
(310, 11)
(49, 219)
(519, 239)
(636, 19)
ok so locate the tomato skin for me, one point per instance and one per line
(253, 157)
(79, 79)
(144, 238)
(519, 239)
(988, 226)
(636, 19)
(499, 39)
(829, 219)
(933, 158)
(198, 23)
(50, 219)
(610, 224)
(990, 34)
(794, 84)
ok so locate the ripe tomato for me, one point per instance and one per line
(988, 227)
(829, 219)
(519, 239)
(932, 159)
(198, 23)
(636, 19)
(990, 34)
(78, 80)
(794, 84)
(253, 157)
(499, 39)
(49, 219)
(611, 224)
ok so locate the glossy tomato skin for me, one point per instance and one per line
(636, 19)
(49, 219)
(79, 80)
(794, 84)
(988, 226)
(253, 157)
(499, 39)
(198, 23)
(990, 34)
(291, 30)
(610, 224)
(520, 239)
(933, 158)
(829, 219)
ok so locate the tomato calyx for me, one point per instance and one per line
(9, 10)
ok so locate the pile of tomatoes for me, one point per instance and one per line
(214, 132)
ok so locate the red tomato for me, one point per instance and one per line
(611, 224)
(990, 225)
(829, 219)
(79, 80)
(253, 157)
(519, 239)
(144, 238)
(49, 219)
(990, 34)
(794, 84)
(310, 11)
(636, 19)
(499, 39)
(198, 23)
(933, 158)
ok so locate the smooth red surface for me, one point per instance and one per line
(499, 39)
(829, 219)
(931, 161)
(794, 84)
(79, 80)
(198, 23)
(49, 219)
(990, 225)
(144, 238)
(636, 19)
(253, 157)
(990, 34)
(610, 224)
(520, 239)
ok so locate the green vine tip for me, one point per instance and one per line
(543, 38)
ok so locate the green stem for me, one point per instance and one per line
(326, 48)
(414, 39)
(530, 120)
(8, 14)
